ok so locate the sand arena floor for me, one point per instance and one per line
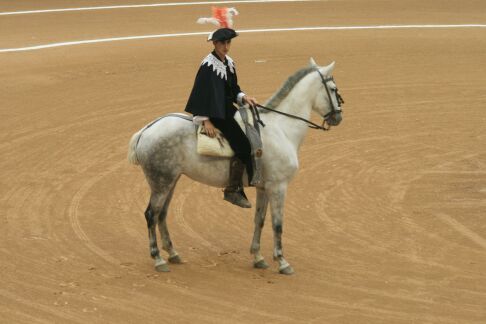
(384, 222)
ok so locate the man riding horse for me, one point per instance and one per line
(212, 100)
(165, 149)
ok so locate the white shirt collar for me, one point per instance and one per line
(218, 66)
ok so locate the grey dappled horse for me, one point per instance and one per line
(166, 149)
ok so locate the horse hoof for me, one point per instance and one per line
(260, 264)
(287, 270)
(176, 259)
(162, 268)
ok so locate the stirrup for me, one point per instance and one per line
(237, 197)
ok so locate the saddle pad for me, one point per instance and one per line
(218, 146)
(213, 146)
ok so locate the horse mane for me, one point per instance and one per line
(288, 85)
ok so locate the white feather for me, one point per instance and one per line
(208, 21)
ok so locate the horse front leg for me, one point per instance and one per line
(260, 212)
(276, 196)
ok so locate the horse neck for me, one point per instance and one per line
(298, 103)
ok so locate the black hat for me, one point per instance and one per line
(222, 34)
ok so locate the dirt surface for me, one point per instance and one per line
(383, 224)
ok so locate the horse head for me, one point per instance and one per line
(328, 101)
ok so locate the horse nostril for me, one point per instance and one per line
(335, 120)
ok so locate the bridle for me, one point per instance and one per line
(335, 109)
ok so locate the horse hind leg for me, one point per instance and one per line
(164, 232)
(154, 209)
(167, 244)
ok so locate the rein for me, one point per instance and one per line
(311, 124)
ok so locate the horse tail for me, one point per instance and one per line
(132, 148)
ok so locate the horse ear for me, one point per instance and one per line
(312, 62)
(327, 70)
(331, 66)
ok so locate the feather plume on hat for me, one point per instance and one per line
(222, 17)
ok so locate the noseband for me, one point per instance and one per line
(334, 110)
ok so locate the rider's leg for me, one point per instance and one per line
(241, 146)
(234, 191)
(237, 140)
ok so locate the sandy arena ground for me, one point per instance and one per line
(384, 222)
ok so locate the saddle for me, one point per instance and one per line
(218, 146)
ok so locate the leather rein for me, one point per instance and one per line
(312, 125)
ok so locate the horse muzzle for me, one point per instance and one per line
(334, 119)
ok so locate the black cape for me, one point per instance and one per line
(215, 88)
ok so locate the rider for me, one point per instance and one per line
(212, 101)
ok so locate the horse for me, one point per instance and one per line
(166, 149)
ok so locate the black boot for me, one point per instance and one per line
(234, 192)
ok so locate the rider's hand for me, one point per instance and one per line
(209, 128)
(250, 100)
